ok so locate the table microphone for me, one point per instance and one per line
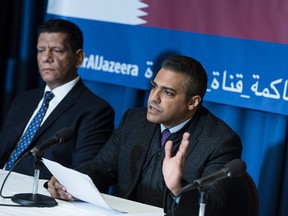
(234, 168)
(34, 199)
(63, 135)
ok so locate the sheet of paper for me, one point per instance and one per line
(78, 184)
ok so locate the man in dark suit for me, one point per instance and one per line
(60, 53)
(144, 171)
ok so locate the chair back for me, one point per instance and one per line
(244, 200)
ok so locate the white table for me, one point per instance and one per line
(18, 183)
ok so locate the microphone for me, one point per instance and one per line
(62, 136)
(234, 168)
(34, 199)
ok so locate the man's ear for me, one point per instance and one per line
(194, 102)
(80, 57)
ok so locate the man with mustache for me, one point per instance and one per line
(148, 172)
(71, 105)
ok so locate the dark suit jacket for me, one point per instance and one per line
(212, 144)
(89, 116)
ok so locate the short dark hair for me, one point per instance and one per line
(197, 79)
(74, 33)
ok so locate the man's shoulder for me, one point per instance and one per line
(212, 121)
(85, 96)
(137, 115)
(32, 93)
(137, 111)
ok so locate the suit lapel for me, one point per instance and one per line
(145, 140)
(62, 107)
(195, 129)
(24, 111)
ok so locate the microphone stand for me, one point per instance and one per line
(202, 203)
(34, 199)
(202, 198)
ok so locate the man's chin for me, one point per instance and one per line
(152, 118)
(48, 78)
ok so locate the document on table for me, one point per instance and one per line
(78, 184)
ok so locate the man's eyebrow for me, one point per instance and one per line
(163, 87)
(169, 89)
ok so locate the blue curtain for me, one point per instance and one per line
(19, 20)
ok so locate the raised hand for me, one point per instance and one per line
(173, 167)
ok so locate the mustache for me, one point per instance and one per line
(155, 105)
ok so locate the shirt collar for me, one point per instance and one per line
(61, 91)
(175, 128)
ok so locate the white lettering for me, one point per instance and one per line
(99, 63)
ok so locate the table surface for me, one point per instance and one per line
(19, 183)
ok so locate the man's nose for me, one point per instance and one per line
(155, 95)
(46, 56)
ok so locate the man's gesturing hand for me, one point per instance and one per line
(173, 166)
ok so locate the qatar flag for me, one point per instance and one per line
(241, 43)
(250, 19)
